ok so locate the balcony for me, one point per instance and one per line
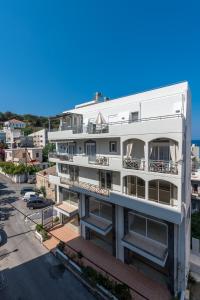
(86, 186)
(67, 208)
(100, 127)
(134, 163)
(147, 237)
(161, 166)
(99, 160)
(133, 154)
(61, 156)
(164, 156)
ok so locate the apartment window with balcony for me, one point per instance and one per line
(149, 228)
(113, 147)
(90, 150)
(100, 209)
(70, 197)
(134, 186)
(64, 169)
(105, 179)
(74, 173)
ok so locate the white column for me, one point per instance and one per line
(146, 154)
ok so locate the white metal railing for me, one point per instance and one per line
(99, 160)
(163, 166)
(61, 156)
(86, 186)
(104, 128)
(133, 163)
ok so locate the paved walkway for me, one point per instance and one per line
(99, 257)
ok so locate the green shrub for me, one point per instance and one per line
(121, 291)
(39, 227)
(56, 219)
(80, 254)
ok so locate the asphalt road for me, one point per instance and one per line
(29, 271)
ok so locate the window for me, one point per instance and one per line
(100, 209)
(64, 169)
(70, 197)
(105, 179)
(134, 186)
(37, 154)
(134, 116)
(149, 228)
(113, 147)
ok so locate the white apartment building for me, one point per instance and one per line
(12, 129)
(14, 124)
(123, 178)
(39, 138)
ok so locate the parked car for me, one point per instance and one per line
(36, 203)
(26, 189)
(30, 195)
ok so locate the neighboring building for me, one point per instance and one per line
(14, 124)
(13, 130)
(2, 136)
(123, 178)
(13, 137)
(24, 155)
(42, 180)
(39, 138)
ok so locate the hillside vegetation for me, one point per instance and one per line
(34, 122)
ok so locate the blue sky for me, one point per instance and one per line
(54, 54)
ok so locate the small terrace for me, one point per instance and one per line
(86, 186)
(133, 154)
(163, 156)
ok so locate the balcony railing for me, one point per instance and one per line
(99, 160)
(104, 128)
(133, 163)
(162, 166)
(63, 156)
(86, 186)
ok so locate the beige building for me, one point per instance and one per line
(42, 180)
(39, 138)
(24, 155)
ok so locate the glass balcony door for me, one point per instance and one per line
(105, 179)
(91, 151)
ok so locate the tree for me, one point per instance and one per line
(48, 148)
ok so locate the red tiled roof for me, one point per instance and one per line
(16, 121)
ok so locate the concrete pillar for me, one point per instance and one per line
(82, 214)
(119, 225)
(146, 155)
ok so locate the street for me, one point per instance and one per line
(28, 270)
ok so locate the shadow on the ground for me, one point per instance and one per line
(3, 238)
(6, 192)
(41, 278)
(2, 186)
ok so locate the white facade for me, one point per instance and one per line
(14, 124)
(129, 160)
(39, 138)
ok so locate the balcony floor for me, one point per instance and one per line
(125, 273)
